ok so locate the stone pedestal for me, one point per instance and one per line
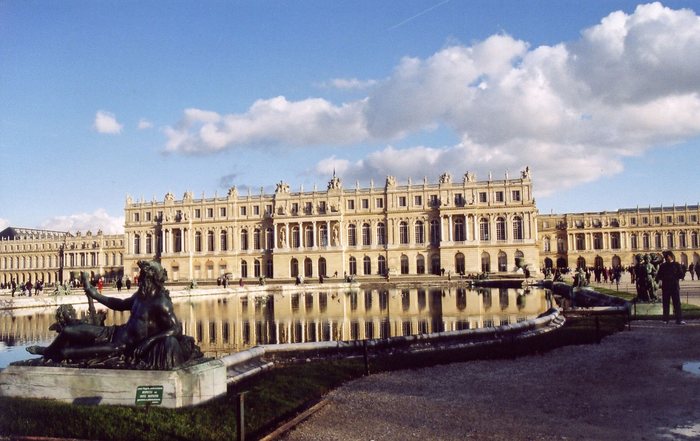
(182, 387)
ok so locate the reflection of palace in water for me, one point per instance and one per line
(226, 324)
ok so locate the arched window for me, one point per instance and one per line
(404, 264)
(500, 229)
(323, 235)
(581, 262)
(546, 245)
(502, 262)
(419, 233)
(149, 244)
(177, 240)
(657, 241)
(548, 262)
(256, 239)
(322, 270)
(269, 268)
(459, 230)
(435, 232)
(485, 262)
(484, 229)
(381, 265)
(633, 242)
(244, 269)
(366, 265)
(294, 267)
(381, 234)
(517, 228)
(352, 266)
(352, 235)
(210, 240)
(296, 242)
(403, 232)
(669, 241)
(682, 243)
(615, 240)
(366, 235)
(308, 267)
(459, 263)
(198, 242)
(137, 244)
(420, 264)
(223, 240)
(645, 241)
(580, 241)
(598, 241)
(256, 268)
(309, 236)
(269, 239)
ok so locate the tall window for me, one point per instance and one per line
(381, 265)
(420, 264)
(645, 241)
(244, 239)
(682, 242)
(366, 235)
(419, 233)
(244, 268)
(657, 241)
(149, 244)
(256, 268)
(257, 243)
(403, 232)
(500, 228)
(633, 242)
(323, 235)
(353, 266)
(366, 265)
(270, 239)
(309, 235)
(435, 232)
(404, 264)
(137, 244)
(517, 228)
(547, 246)
(484, 229)
(381, 234)
(580, 242)
(352, 235)
(177, 239)
(198, 241)
(669, 241)
(223, 240)
(296, 242)
(615, 241)
(459, 230)
(598, 241)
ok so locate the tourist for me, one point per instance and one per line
(128, 283)
(28, 288)
(669, 274)
(119, 284)
(691, 270)
(13, 285)
(100, 284)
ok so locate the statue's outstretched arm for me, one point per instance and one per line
(110, 302)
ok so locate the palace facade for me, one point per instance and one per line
(612, 238)
(452, 227)
(424, 228)
(28, 254)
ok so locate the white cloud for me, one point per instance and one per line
(349, 84)
(83, 222)
(106, 122)
(572, 111)
(145, 124)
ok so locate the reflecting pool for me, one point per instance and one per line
(222, 324)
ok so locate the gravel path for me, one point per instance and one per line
(630, 387)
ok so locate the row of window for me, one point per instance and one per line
(364, 204)
(52, 261)
(646, 241)
(459, 234)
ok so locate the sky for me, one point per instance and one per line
(100, 100)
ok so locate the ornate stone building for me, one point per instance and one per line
(612, 238)
(459, 227)
(28, 254)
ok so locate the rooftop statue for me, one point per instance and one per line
(150, 339)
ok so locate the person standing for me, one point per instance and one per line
(670, 273)
(691, 270)
(119, 284)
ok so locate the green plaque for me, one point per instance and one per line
(146, 395)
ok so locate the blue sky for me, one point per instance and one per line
(104, 99)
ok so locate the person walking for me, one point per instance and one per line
(691, 270)
(119, 284)
(670, 273)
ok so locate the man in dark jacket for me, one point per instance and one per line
(670, 273)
